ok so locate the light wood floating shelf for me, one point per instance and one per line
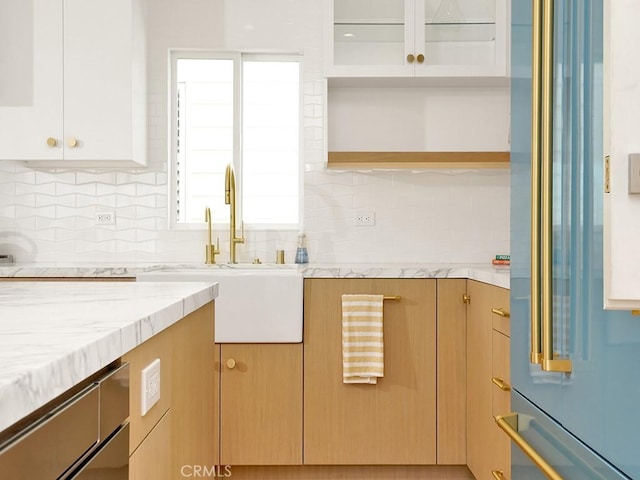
(418, 159)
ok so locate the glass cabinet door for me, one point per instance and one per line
(461, 34)
(368, 32)
(416, 37)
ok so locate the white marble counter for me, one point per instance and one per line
(498, 276)
(54, 335)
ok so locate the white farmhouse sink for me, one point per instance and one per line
(256, 304)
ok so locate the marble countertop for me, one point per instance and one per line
(53, 335)
(498, 276)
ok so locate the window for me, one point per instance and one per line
(242, 109)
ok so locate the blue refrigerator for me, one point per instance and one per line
(575, 368)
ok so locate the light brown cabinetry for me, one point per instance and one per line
(195, 389)
(153, 459)
(181, 429)
(452, 372)
(392, 422)
(157, 347)
(501, 391)
(483, 365)
(261, 404)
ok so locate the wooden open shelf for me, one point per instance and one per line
(418, 160)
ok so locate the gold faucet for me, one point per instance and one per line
(210, 250)
(230, 199)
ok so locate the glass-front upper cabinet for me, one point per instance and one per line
(440, 38)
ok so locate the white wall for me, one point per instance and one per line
(435, 216)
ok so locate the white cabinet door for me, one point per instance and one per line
(30, 79)
(621, 208)
(462, 38)
(424, 38)
(99, 43)
(368, 37)
(75, 91)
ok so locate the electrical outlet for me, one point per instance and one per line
(150, 386)
(365, 218)
(105, 218)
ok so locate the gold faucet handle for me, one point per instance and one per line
(211, 252)
(240, 239)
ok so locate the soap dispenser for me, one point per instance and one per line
(301, 253)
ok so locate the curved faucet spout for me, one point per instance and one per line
(230, 199)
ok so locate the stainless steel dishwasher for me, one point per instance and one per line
(81, 436)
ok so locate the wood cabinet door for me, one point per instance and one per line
(261, 404)
(195, 389)
(393, 421)
(501, 403)
(452, 372)
(479, 386)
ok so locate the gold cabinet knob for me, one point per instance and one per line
(420, 58)
(466, 298)
(231, 363)
(72, 142)
(52, 142)
(411, 58)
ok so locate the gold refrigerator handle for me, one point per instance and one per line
(549, 363)
(509, 424)
(536, 349)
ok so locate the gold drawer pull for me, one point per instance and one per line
(420, 58)
(501, 384)
(52, 142)
(391, 298)
(466, 298)
(231, 363)
(411, 58)
(500, 312)
(498, 475)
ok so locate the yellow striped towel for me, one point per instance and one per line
(362, 339)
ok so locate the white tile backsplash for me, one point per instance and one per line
(423, 216)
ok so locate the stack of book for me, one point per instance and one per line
(502, 260)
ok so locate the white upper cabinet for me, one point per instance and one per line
(426, 38)
(621, 142)
(75, 91)
(31, 80)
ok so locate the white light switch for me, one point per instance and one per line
(634, 173)
(150, 386)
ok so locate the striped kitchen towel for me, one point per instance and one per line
(362, 339)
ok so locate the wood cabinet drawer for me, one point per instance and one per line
(157, 347)
(501, 402)
(501, 311)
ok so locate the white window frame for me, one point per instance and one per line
(222, 221)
